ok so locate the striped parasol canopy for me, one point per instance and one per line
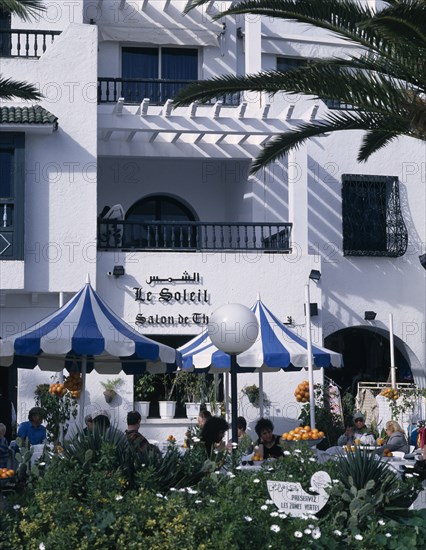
(85, 330)
(277, 347)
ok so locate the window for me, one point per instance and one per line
(5, 37)
(12, 185)
(146, 66)
(372, 220)
(142, 231)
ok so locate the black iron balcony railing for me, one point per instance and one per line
(193, 236)
(158, 91)
(25, 42)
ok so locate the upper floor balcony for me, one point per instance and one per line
(25, 42)
(192, 236)
(157, 90)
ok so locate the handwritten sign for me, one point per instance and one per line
(291, 498)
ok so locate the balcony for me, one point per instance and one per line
(158, 91)
(25, 43)
(161, 236)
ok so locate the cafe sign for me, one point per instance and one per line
(290, 497)
(173, 293)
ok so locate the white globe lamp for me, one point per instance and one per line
(233, 329)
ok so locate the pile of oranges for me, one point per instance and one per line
(301, 393)
(390, 393)
(57, 389)
(72, 384)
(6, 473)
(302, 433)
(171, 439)
(387, 452)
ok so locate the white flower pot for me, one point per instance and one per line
(214, 408)
(142, 407)
(192, 409)
(167, 409)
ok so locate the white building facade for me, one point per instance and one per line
(189, 225)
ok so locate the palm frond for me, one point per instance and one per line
(25, 9)
(372, 141)
(12, 88)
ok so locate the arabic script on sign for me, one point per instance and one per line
(185, 278)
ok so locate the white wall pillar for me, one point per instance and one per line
(253, 52)
(298, 198)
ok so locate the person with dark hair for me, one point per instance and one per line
(88, 420)
(101, 421)
(348, 437)
(213, 432)
(32, 432)
(8, 416)
(245, 444)
(203, 416)
(271, 442)
(139, 442)
(193, 432)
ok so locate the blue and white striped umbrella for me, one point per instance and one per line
(277, 347)
(86, 329)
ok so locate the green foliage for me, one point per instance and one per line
(145, 386)
(193, 386)
(253, 395)
(57, 411)
(326, 420)
(384, 80)
(85, 501)
(112, 384)
(368, 486)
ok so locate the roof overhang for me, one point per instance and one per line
(29, 128)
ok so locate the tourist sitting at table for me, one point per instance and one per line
(101, 421)
(4, 447)
(271, 442)
(395, 440)
(192, 434)
(31, 431)
(137, 440)
(362, 434)
(245, 444)
(88, 420)
(348, 437)
(212, 434)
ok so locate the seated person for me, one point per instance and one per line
(245, 444)
(213, 432)
(362, 434)
(4, 447)
(133, 435)
(88, 420)
(395, 440)
(193, 432)
(32, 432)
(100, 421)
(348, 437)
(271, 442)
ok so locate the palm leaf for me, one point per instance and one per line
(12, 88)
(25, 9)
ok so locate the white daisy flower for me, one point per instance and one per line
(298, 534)
(256, 480)
(283, 515)
(41, 546)
(192, 491)
(336, 480)
(307, 531)
(198, 501)
(286, 453)
(263, 507)
(388, 535)
(269, 501)
(316, 533)
(297, 451)
(248, 518)
(312, 459)
(337, 533)
(381, 522)
(275, 528)
(274, 514)
(118, 497)
(359, 537)
(212, 500)
(17, 507)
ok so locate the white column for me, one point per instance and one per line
(298, 198)
(253, 53)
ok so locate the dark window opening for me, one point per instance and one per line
(372, 220)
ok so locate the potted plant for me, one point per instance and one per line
(193, 388)
(145, 387)
(253, 395)
(168, 406)
(111, 386)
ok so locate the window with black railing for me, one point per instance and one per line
(373, 224)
